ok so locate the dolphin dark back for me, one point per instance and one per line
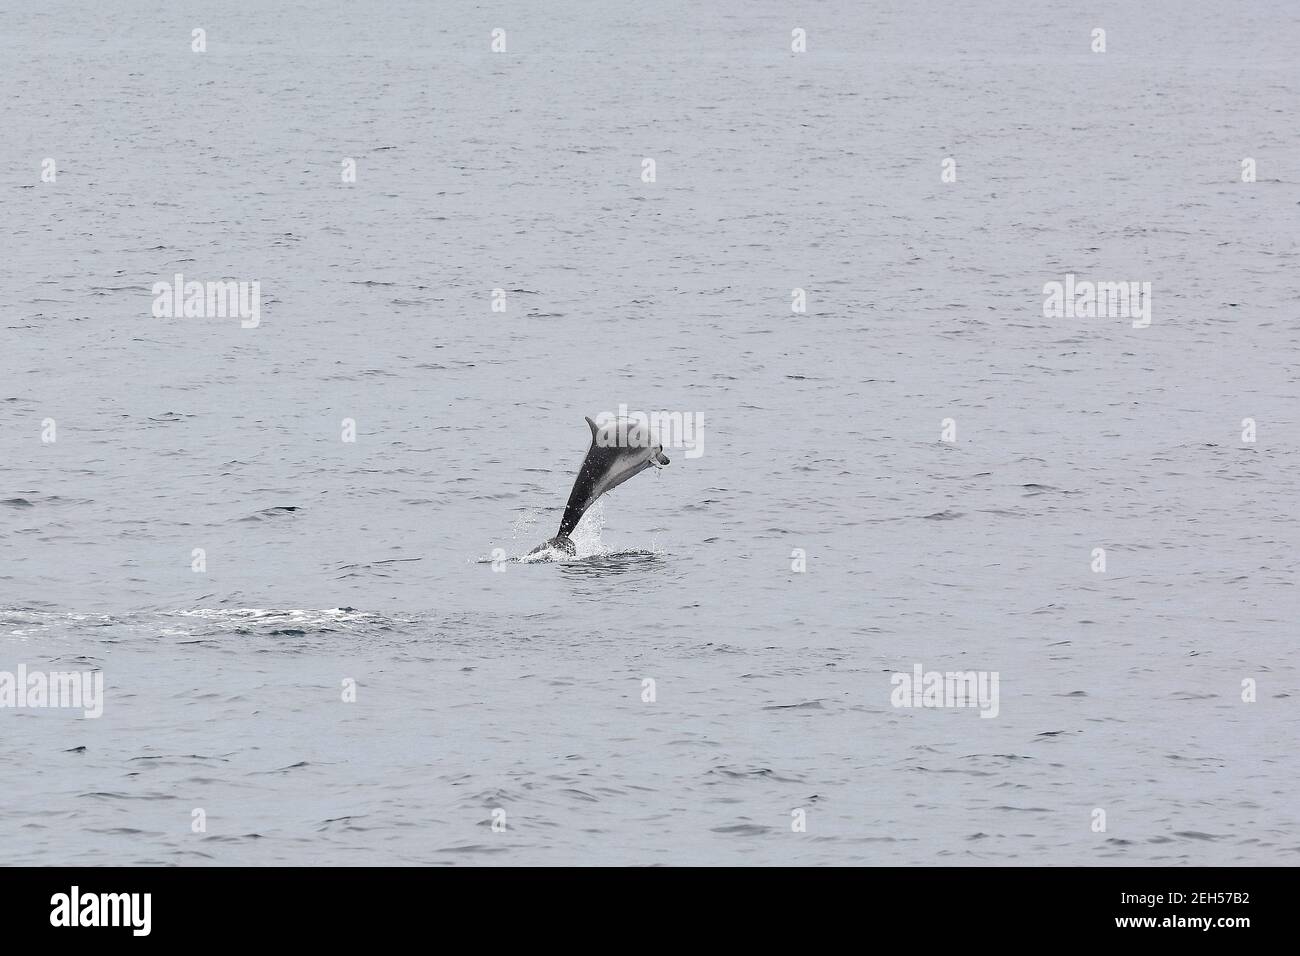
(580, 498)
(584, 493)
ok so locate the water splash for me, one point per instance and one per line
(588, 546)
(273, 620)
(586, 536)
(525, 525)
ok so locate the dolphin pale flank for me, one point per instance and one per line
(618, 451)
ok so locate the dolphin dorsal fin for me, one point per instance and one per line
(593, 427)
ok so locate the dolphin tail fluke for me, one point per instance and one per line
(562, 543)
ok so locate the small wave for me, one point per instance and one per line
(614, 562)
(744, 829)
(806, 705)
(266, 514)
(289, 623)
(27, 621)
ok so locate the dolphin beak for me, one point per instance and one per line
(659, 459)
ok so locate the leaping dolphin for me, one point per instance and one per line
(615, 456)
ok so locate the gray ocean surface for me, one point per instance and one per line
(521, 690)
